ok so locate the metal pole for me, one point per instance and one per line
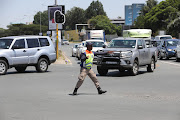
(40, 22)
(57, 49)
(55, 2)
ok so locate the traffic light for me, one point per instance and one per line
(59, 17)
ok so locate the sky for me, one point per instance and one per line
(22, 11)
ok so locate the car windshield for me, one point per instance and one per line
(97, 38)
(97, 44)
(156, 43)
(75, 46)
(172, 43)
(5, 43)
(165, 38)
(122, 44)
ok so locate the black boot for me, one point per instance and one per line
(100, 91)
(75, 91)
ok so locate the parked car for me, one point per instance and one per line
(168, 48)
(64, 41)
(23, 51)
(97, 46)
(74, 49)
(161, 37)
(178, 52)
(129, 54)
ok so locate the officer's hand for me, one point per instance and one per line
(110, 52)
(87, 57)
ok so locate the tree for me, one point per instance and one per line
(139, 22)
(119, 30)
(159, 17)
(22, 29)
(44, 18)
(164, 16)
(74, 16)
(95, 8)
(101, 22)
(149, 5)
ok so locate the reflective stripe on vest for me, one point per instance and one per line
(89, 61)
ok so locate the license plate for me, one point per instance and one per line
(107, 62)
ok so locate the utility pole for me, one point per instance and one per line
(55, 2)
(40, 22)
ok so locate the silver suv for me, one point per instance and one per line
(23, 51)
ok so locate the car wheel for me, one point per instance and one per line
(135, 69)
(102, 71)
(151, 66)
(72, 54)
(21, 69)
(177, 59)
(166, 56)
(3, 67)
(42, 65)
(159, 56)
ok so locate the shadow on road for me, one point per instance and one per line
(121, 74)
(26, 72)
(85, 94)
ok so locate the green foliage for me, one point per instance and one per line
(21, 29)
(44, 18)
(149, 5)
(101, 22)
(119, 30)
(164, 16)
(139, 22)
(95, 8)
(74, 16)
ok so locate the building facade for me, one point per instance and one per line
(132, 12)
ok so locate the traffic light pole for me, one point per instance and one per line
(57, 41)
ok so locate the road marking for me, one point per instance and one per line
(171, 63)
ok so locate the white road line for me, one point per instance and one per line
(170, 63)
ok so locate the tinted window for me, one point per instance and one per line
(165, 38)
(139, 43)
(19, 44)
(75, 46)
(172, 43)
(97, 44)
(122, 44)
(32, 43)
(44, 42)
(5, 43)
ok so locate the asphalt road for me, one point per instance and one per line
(46, 96)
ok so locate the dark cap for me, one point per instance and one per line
(88, 43)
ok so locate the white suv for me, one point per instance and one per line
(23, 51)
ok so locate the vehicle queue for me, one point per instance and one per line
(166, 46)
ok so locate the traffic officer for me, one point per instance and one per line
(86, 68)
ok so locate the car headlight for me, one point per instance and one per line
(126, 54)
(170, 49)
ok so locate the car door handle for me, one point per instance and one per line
(24, 50)
(38, 49)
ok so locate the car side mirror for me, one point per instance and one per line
(140, 47)
(104, 46)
